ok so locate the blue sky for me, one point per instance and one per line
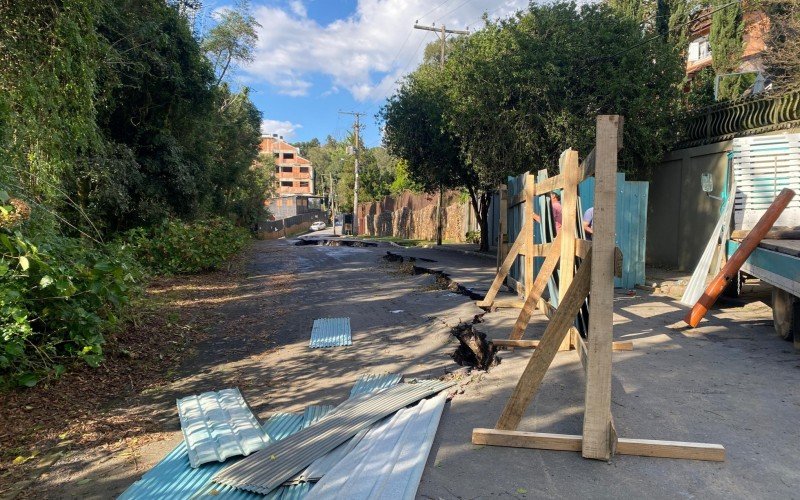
(316, 57)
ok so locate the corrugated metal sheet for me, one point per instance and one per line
(313, 414)
(174, 478)
(389, 460)
(374, 382)
(330, 332)
(762, 167)
(266, 470)
(219, 425)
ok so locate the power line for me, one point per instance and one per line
(433, 9)
(455, 9)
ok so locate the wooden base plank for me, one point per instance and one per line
(522, 439)
(574, 442)
(508, 303)
(671, 449)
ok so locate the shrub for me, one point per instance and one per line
(176, 247)
(473, 237)
(57, 299)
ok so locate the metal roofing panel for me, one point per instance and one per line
(173, 477)
(330, 332)
(374, 382)
(267, 469)
(389, 460)
(219, 425)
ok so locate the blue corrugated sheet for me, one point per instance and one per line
(330, 332)
(173, 477)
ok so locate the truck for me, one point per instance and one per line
(760, 167)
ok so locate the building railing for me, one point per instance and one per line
(748, 116)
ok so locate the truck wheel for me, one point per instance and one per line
(785, 313)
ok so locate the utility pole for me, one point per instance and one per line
(356, 130)
(442, 34)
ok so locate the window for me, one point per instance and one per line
(286, 169)
(303, 184)
(277, 169)
(303, 170)
(286, 183)
(699, 49)
(288, 156)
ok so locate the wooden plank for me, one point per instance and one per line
(532, 297)
(522, 439)
(502, 237)
(597, 442)
(582, 247)
(508, 303)
(671, 449)
(503, 271)
(779, 234)
(569, 218)
(524, 344)
(549, 184)
(572, 442)
(537, 366)
(530, 186)
(517, 199)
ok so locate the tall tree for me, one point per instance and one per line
(727, 45)
(783, 43)
(232, 39)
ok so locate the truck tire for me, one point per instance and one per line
(785, 313)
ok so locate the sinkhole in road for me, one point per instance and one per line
(335, 242)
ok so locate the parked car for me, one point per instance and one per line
(317, 226)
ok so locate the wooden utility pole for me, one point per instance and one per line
(356, 130)
(442, 34)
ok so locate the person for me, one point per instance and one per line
(555, 202)
(588, 221)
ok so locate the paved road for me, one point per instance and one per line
(730, 381)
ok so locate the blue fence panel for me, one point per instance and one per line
(631, 227)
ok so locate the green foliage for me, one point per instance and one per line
(57, 298)
(176, 247)
(702, 89)
(232, 39)
(783, 43)
(473, 237)
(402, 180)
(727, 45)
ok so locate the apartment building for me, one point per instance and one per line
(294, 174)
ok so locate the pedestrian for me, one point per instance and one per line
(555, 203)
(588, 223)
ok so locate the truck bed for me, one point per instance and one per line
(788, 247)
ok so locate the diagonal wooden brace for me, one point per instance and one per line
(542, 357)
(521, 240)
(537, 289)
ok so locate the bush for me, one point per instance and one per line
(473, 237)
(176, 247)
(57, 299)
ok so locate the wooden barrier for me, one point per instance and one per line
(595, 278)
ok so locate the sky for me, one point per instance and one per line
(315, 58)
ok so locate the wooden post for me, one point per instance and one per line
(597, 428)
(528, 235)
(502, 237)
(569, 170)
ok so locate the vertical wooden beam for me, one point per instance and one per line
(597, 428)
(569, 169)
(542, 357)
(528, 235)
(502, 243)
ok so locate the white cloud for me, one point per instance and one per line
(298, 8)
(365, 53)
(284, 128)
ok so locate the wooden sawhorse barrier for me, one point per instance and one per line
(594, 279)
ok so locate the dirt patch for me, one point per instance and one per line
(87, 407)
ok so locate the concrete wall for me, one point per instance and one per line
(680, 215)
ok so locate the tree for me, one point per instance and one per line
(232, 39)
(783, 43)
(727, 45)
